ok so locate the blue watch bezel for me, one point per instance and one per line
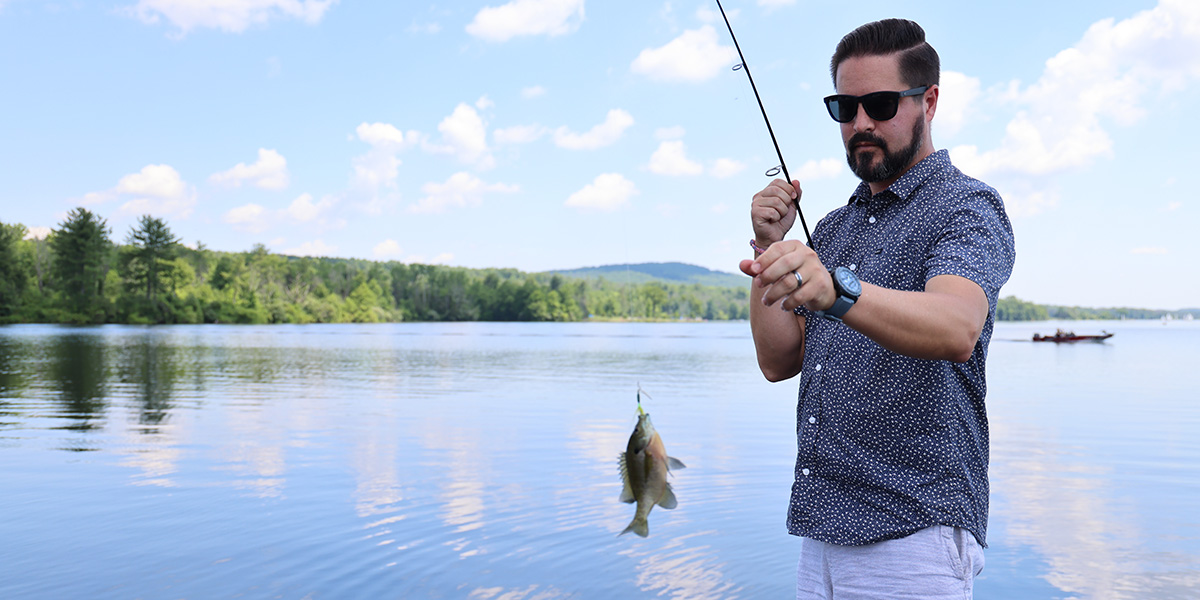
(844, 300)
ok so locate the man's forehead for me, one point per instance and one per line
(872, 71)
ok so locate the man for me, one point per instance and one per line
(891, 490)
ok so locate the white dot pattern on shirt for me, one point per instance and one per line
(890, 444)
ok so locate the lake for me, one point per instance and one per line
(479, 460)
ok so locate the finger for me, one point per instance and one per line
(784, 289)
(791, 189)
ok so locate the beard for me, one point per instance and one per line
(893, 163)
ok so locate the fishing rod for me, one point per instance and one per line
(782, 167)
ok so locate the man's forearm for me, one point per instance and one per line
(778, 337)
(941, 323)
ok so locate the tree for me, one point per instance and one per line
(81, 247)
(14, 272)
(153, 252)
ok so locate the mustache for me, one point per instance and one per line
(864, 137)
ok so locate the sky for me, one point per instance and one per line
(557, 134)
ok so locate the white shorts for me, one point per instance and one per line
(939, 562)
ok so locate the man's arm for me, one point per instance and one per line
(778, 337)
(941, 323)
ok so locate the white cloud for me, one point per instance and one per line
(313, 248)
(671, 159)
(464, 135)
(533, 91)
(958, 94)
(826, 168)
(726, 167)
(387, 249)
(253, 218)
(527, 17)
(695, 56)
(1061, 124)
(775, 3)
(386, 136)
(519, 134)
(604, 134)
(303, 209)
(269, 173)
(462, 189)
(380, 166)
(227, 15)
(156, 190)
(36, 233)
(608, 192)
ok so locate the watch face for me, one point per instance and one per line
(848, 281)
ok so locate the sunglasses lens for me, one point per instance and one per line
(881, 106)
(842, 108)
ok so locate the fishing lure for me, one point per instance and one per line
(773, 171)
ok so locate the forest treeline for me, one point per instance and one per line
(79, 274)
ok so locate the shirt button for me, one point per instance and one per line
(818, 367)
(871, 220)
(853, 267)
(812, 419)
(804, 471)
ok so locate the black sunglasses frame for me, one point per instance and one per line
(880, 106)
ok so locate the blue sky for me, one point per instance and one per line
(546, 134)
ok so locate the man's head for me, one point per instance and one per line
(884, 136)
(919, 63)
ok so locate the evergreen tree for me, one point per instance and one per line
(152, 252)
(81, 248)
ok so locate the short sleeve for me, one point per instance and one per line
(976, 243)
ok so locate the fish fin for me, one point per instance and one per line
(638, 526)
(627, 490)
(668, 500)
(675, 463)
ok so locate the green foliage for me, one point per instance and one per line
(77, 276)
(1015, 309)
(82, 252)
(15, 270)
(149, 256)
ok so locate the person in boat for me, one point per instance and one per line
(887, 321)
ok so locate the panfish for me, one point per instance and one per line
(644, 468)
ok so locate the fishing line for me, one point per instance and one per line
(782, 167)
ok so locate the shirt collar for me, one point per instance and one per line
(907, 184)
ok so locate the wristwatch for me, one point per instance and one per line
(848, 289)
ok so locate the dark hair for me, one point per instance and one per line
(919, 64)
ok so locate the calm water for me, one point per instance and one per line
(479, 461)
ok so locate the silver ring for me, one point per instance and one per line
(799, 279)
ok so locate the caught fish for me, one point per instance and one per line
(644, 468)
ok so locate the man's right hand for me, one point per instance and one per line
(773, 211)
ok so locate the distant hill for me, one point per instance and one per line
(672, 272)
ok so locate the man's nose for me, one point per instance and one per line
(862, 121)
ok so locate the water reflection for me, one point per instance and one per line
(436, 465)
(78, 370)
(1072, 513)
(152, 367)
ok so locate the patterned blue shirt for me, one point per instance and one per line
(889, 444)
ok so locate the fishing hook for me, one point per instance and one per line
(782, 167)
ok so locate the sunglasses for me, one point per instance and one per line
(880, 106)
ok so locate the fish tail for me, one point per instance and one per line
(639, 525)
